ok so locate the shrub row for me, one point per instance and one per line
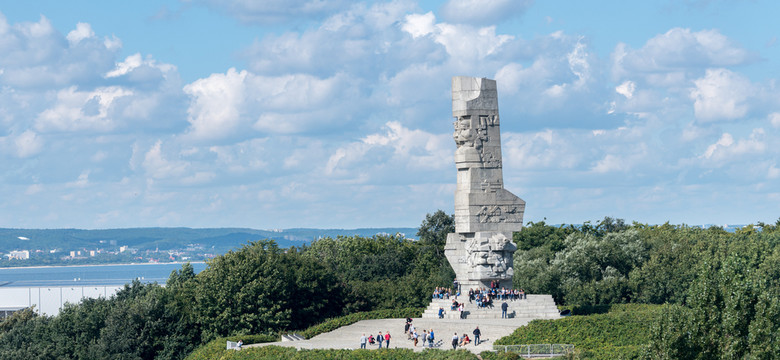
(215, 349)
(619, 333)
(285, 353)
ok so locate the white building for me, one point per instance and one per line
(19, 254)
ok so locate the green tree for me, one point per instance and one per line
(435, 227)
(260, 288)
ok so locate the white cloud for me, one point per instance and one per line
(464, 43)
(82, 31)
(774, 119)
(626, 89)
(82, 110)
(236, 104)
(217, 100)
(419, 25)
(401, 148)
(159, 167)
(721, 95)
(483, 11)
(28, 144)
(678, 49)
(727, 149)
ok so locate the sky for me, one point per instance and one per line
(337, 114)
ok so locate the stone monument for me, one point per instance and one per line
(480, 250)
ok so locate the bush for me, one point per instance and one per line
(216, 348)
(617, 334)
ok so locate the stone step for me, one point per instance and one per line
(533, 307)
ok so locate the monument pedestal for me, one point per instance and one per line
(480, 258)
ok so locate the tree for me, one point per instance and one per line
(260, 288)
(434, 228)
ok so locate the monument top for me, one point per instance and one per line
(474, 94)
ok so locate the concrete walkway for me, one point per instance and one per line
(348, 337)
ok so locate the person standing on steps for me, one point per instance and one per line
(476, 333)
(504, 308)
(363, 341)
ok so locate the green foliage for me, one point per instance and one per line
(216, 348)
(587, 268)
(285, 353)
(383, 272)
(261, 289)
(620, 333)
(434, 228)
(732, 308)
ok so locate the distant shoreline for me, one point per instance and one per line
(93, 265)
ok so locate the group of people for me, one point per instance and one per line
(379, 339)
(411, 334)
(464, 339)
(484, 297)
(443, 293)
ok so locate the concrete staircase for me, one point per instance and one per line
(534, 307)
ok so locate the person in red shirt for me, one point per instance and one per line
(387, 340)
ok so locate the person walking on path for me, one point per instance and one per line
(387, 339)
(504, 307)
(414, 337)
(430, 338)
(455, 341)
(379, 339)
(363, 341)
(425, 337)
(476, 333)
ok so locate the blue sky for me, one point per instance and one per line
(336, 114)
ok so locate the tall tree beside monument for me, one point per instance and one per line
(480, 250)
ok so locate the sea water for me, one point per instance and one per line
(49, 288)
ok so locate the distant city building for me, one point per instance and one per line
(72, 254)
(123, 248)
(19, 254)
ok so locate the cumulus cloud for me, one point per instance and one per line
(483, 11)
(81, 110)
(398, 146)
(721, 95)
(36, 55)
(238, 102)
(28, 144)
(677, 50)
(728, 149)
(82, 31)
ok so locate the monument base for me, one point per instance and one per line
(480, 258)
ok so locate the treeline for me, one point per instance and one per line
(723, 288)
(260, 288)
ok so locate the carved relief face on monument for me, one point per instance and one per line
(464, 134)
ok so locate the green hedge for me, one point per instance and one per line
(335, 323)
(618, 334)
(284, 353)
(216, 348)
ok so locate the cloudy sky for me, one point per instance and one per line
(336, 114)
